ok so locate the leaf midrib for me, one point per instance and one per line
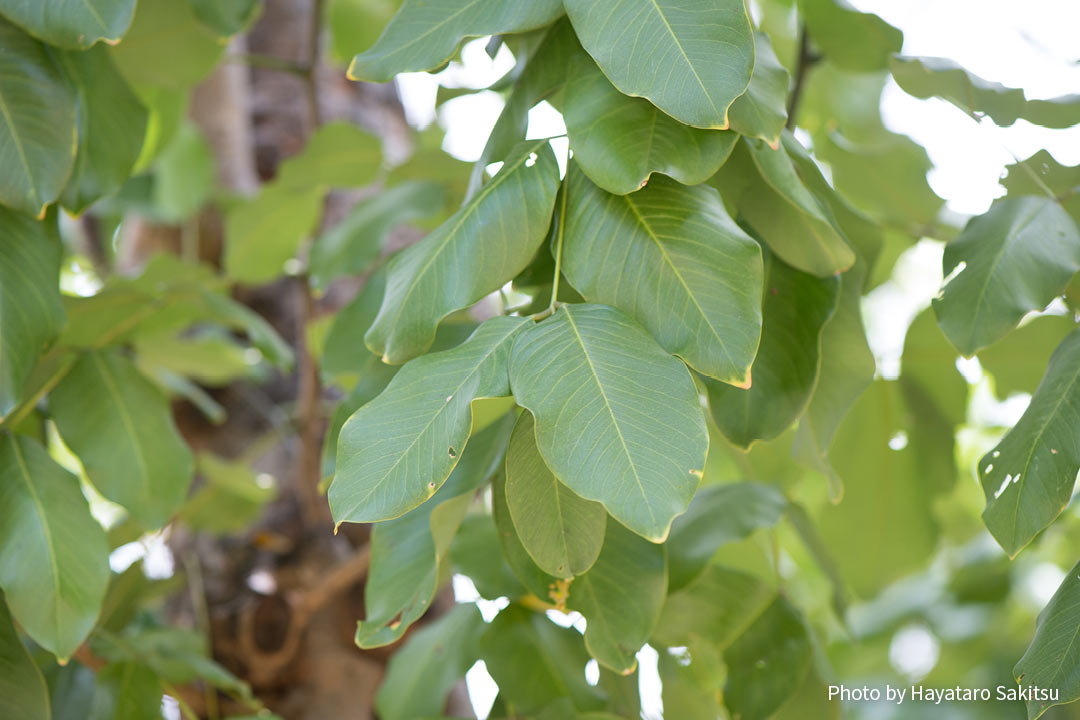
(19, 147)
(129, 427)
(689, 64)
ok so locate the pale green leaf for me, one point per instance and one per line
(125, 691)
(433, 660)
(795, 309)
(38, 132)
(425, 34)
(122, 429)
(1052, 661)
(1018, 360)
(30, 311)
(1058, 113)
(338, 154)
(533, 660)
(620, 141)
(690, 58)
(229, 499)
(262, 234)
(184, 175)
(1028, 477)
(762, 111)
(929, 362)
(926, 77)
(23, 693)
(691, 691)
(544, 586)
(54, 561)
(850, 39)
(621, 597)
(396, 451)
(167, 46)
(73, 24)
(1014, 259)
(356, 24)
(226, 17)
(475, 252)
(603, 394)
(562, 532)
(768, 663)
(112, 122)
(670, 257)
(716, 607)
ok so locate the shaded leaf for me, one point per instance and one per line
(122, 429)
(226, 17)
(167, 46)
(761, 112)
(795, 308)
(1018, 360)
(929, 362)
(480, 248)
(716, 607)
(422, 672)
(23, 693)
(30, 311)
(54, 561)
(690, 59)
(620, 141)
(670, 257)
(396, 451)
(126, 691)
(926, 77)
(1029, 476)
(230, 498)
(544, 586)
(73, 24)
(1040, 172)
(425, 34)
(38, 135)
(621, 597)
(561, 532)
(850, 39)
(629, 393)
(1053, 658)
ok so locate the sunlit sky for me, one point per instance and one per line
(1035, 49)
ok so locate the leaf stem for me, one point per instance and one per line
(559, 243)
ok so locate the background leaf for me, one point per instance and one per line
(1053, 659)
(23, 693)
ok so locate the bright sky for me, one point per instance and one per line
(1035, 49)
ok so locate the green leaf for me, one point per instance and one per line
(468, 256)
(167, 46)
(884, 527)
(262, 234)
(337, 155)
(122, 429)
(73, 24)
(408, 554)
(30, 311)
(926, 77)
(356, 24)
(625, 393)
(472, 555)
(1018, 360)
(230, 498)
(670, 257)
(1040, 172)
(425, 34)
(850, 39)
(768, 663)
(535, 580)
(38, 132)
(1058, 113)
(718, 515)
(395, 452)
(534, 660)
(1053, 658)
(54, 561)
(795, 308)
(343, 348)
(1028, 477)
(621, 597)
(621, 141)
(562, 532)
(126, 691)
(226, 17)
(769, 191)
(691, 690)
(184, 175)
(762, 111)
(23, 693)
(112, 123)
(716, 607)
(690, 58)
(422, 672)
(1014, 259)
(357, 241)
(929, 362)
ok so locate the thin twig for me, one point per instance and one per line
(558, 245)
(807, 59)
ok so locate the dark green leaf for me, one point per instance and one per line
(544, 586)
(424, 34)
(621, 141)
(396, 451)
(690, 59)
(1014, 259)
(630, 393)
(762, 111)
(621, 597)
(562, 532)
(691, 690)
(71, 24)
(54, 562)
(850, 39)
(796, 307)
(1053, 659)
(23, 693)
(30, 311)
(1040, 172)
(122, 429)
(1029, 476)
(433, 660)
(716, 607)
(670, 257)
(468, 256)
(126, 691)
(38, 135)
